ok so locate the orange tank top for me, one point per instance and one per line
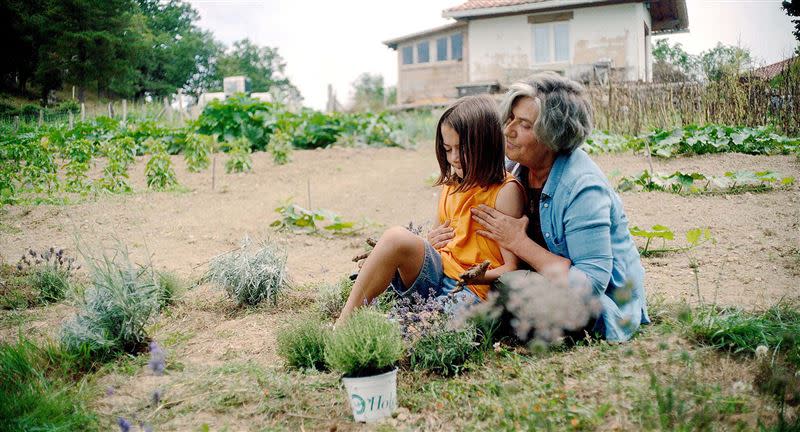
(467, 248)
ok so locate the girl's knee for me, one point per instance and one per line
(400, 239)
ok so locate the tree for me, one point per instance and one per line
(263, 65)
(792, 8)
(672, 63)
(368, 93)
(724, 61)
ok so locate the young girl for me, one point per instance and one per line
(469, 148)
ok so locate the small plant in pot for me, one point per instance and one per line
(365, 349)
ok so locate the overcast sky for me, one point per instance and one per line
(333, 41)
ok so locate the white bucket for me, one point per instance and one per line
(372, 398)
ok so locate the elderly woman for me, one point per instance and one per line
(574, 221)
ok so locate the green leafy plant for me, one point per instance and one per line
(697, 183)
(48, 272)
(158, 170)
(302, 343)
(197, 152)
(239, 159)
(300, 220)
(251, 274)
(366, 344)
(280, 146)
(78, 154)
(656, 231)
(121, 153)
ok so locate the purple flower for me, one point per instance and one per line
(124, 425)
(109, 391)
(158, 360)
(156, 397)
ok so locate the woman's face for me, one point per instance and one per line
(521, 143)
(451, 149)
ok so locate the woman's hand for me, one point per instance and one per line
(505, 230)
(440, 235)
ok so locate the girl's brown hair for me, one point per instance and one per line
(481, 145)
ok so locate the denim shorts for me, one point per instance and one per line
(432, 281)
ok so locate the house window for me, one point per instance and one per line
(408, 55)
(422, 52)
(551, 42)
(441, 49)
(456, 44)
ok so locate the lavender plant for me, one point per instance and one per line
(49, 272)
(366, 344)
(252, 273)
(331, 297)
(302, 343)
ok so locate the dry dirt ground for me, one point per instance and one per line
(754, 263)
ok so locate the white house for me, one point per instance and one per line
(492, 43)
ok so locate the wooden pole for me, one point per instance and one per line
(41, 117)
(73, 92)
(16, 123)
(167, 109)
(71, 119)
(83, 112)
(213, 171)
(110, 110)
(124, 110)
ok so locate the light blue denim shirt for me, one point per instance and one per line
(583, 220)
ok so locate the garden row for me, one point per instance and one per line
(43, 163)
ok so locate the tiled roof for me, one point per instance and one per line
(483, 4)
(770, 71)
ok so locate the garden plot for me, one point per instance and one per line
(222, 366)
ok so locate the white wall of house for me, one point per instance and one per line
(502, 48)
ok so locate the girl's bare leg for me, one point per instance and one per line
(397, 250)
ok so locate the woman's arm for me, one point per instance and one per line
(509, 202)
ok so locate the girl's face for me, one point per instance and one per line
(451, 149)
(521, 143)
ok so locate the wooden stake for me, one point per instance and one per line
(16, 123)
(41, 117)
(110, 110)
(83, 112)
(308, 184)
(71, 118)
(124, 110)
(213, 171)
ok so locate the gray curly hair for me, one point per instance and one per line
(565, 114)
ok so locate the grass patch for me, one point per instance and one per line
(37, 391)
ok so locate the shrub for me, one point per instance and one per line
(366, 344)
(250, 275)
(117, 307)
(302, 344)
(332, 297)
(197, 151)
(170, 288)
(35, 392)
(444, 351)
(280, 146)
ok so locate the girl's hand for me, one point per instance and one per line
(440, 235)
(503, 229)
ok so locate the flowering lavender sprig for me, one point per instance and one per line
(158, 360)
(124, 425)
(418, 317)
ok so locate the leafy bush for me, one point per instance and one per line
(280, 146)
(697, 183)
(121, 301)
(302, 344)
(694, 139)
(332, 297)
(239, 159)
(251, 274)
(158, 170)
(36, 392)
(366, 344)
(120, 153)
(444, 351)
